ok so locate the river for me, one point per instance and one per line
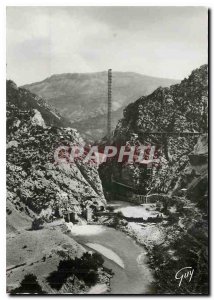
(123, 255)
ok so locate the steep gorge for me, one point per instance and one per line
(177, 187)
(174, 111)
(37, 186)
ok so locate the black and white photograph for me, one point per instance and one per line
(107, 150)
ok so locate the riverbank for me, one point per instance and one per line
(39, 253)
(127, 259)
(172, 244)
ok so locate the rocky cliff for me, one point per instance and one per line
(42, 194)
(178, 187)
(173, 111)
(35, 182)
(185, 229)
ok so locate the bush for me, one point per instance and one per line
(84, 268)
(9, 211)
(110, 208)
(37, 224)
(29, 285)
(90, 278)
(117, 218)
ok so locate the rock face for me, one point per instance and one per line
(179, 185)
(181, 107)
(35, 182)
(178, 109)
(25, 100)
(185, 228)
(45, 189)
(82, 98)
(197, 170)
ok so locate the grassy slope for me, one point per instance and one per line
(40, 251)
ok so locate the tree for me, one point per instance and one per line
(29, 285)
(84, 268)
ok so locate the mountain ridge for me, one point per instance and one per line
(81, 96)
(96, 73)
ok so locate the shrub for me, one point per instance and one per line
(9, 211)
(110, 208)
(37, 224)
(117, 218)
(84, 268)
(90, 278)
(29, 285)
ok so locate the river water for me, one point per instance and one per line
(123, 255)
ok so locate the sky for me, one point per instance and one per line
(164, 42)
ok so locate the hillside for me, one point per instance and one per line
(182, 107)
(94, 128)
(31, 144)
(25, 100)
(80, 97)
(42, 190)
(178, 185)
